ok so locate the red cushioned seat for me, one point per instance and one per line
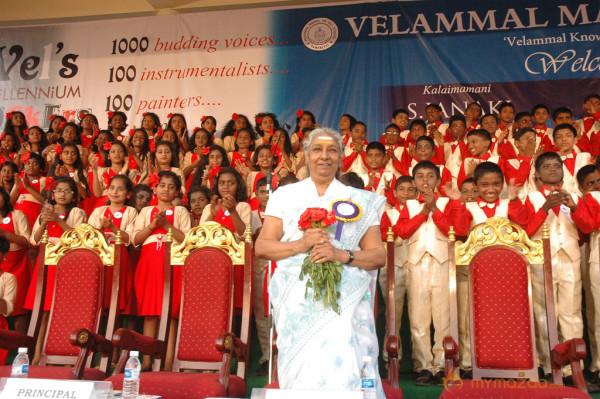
(57, 373)
(171, 385)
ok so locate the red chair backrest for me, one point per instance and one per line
(207, 304)
(501, 309)
(77, 300)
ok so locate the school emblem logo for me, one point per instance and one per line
(319, 34)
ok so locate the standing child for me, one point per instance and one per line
(115, 163)
(454, 145)
(520, 170)
(540, 114)
(244, 148)
(354, 153)
(237, 122)
(8, 291)
(166, 158)
(265, 163)
(68, 163)
(505, 130)
(178, 124)
(480, 142)
(565, 136)
(259, 271)
(468, 191)
(200, 140)
(588, 127)
(304, 119)
(424, 224)
(345, 124)
(404, 190)
(395, 151)
(434, 121)
(31, 187)
(553, 205)
(377, 179)
(472, 114)
(15, 228)
(88, 126)
(118, 216)
(209, 123)
(489, 181)
(59, 214)
(57, 124)
(199, 197)
(213, 159)
(150, 231)
(400, 119)
(117, 123)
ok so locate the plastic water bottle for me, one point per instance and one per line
(367, 379)
(20, 366)
(131, 381)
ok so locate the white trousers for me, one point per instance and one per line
(428, 301)
(464, 329)
(566, 276)
(258, 307)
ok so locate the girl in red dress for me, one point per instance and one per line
(178, 124)
(31, 186)
(237, 122)
(15, 228)
(138, 149)
(165, 158)
(96, 150)
(8, 171)
(228, 207)
(115, 163)
(199, 141)
(209, 123)
(117, 123)
(8, 292)
(88, 126)
(68, 163)
(150, 230)
(199, 197)
(118, 215)
(209, 166)
(16, 124)
(244, 146)
(57, 125)
(34, 141)
(60, 213)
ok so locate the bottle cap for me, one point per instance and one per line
(22, 350)
(134, 354)
(366, 359)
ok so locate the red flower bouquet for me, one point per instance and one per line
(323, 278)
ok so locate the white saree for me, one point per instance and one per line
(319, 349)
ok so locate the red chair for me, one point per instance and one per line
(80, 257)
(391, 386)
(205, 338)
(498, 257)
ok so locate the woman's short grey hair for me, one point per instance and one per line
(337, 137)
(324, 130)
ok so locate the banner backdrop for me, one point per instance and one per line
(366, 59)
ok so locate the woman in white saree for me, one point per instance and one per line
(319, 348)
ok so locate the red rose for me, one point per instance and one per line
(52, 117)
(96, 131)
(152, 146)
(9, 115)
(275, 150)
(271, 132)
(153, 180)
(63, 124)
(160, 132)
(110, 114)
(58, 149)
(203, 118)
(305, 215)
(205, 150)
(82, 114)
(131, 132)
(2, 135)
(304, 225)
(258, 120)
(235, 134)
(170, 115)
(330, 219)
(300, 134)
(144, 114)
(107, 145)
(299, 113)
(317, 214)
(234, 117)
(26, 131)
(50, 183)
(196, 129)
(185, 200)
